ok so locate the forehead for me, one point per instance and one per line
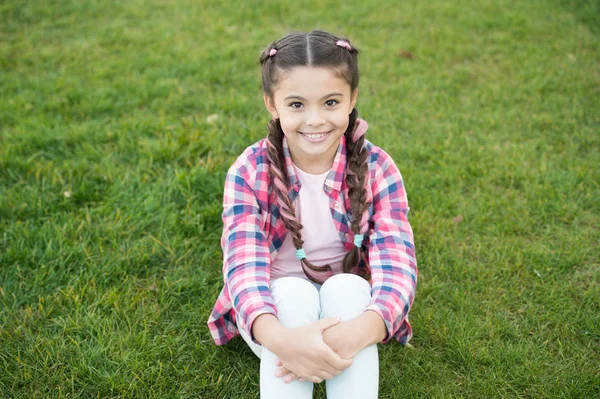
(310, 83)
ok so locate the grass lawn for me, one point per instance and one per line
(118, 121)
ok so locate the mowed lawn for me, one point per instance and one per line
(118, 121)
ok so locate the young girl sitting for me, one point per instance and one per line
(319, 260)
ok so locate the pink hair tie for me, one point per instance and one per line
(344, 44)
(272, 52)
(360, 128)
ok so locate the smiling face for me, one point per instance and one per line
(313, 105)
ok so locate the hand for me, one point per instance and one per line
(341, 337)
(344, 339)
(304, 354)
(347, 339)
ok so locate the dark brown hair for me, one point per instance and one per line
(317, 49)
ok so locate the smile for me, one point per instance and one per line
(315, 136)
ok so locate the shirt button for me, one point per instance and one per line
(337, 206)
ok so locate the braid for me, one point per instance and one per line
(356, 176)
(281, 188)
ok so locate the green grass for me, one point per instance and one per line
(105, 291)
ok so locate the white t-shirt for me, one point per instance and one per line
(322, 243)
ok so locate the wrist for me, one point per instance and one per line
(267, 330)
(373, 327)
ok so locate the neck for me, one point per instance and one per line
(313, 168)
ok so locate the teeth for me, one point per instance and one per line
(315, 136)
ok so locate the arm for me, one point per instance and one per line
(392, 262)
(268, 330)
(246, 257)
(350, 337)
(391, 252)
(370, 328)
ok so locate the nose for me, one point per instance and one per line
(315, 118)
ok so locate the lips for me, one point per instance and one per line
(316, 135)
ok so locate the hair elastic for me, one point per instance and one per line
(344, 44)
(272, 52)
(300, 254)
(358, 239)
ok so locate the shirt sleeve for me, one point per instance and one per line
(246, 256)
(391, 252)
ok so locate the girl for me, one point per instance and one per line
(319, 261)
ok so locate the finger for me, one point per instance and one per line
(301, 379)
(289, 378)
(340, 364)
(315, 379)
(325, 375)
(281, 372)
(336, 361)
(333, 371)
(278, 362)
(327, 368)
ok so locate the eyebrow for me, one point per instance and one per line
(324, 97)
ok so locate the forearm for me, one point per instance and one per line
(267, 330)
(370, 327)
(350, 337)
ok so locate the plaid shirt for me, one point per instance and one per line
(253, 233)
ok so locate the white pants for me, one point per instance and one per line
(300, 302)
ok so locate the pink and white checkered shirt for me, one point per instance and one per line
(253, 233)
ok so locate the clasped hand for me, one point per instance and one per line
(316, 352)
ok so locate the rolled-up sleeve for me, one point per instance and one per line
(391, 252)
(246, 257)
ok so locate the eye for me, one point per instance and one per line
(331, 103)
(295, 103)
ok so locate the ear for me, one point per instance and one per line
(354, 98)
(270, 106)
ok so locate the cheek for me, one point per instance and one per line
(289, 122)
(342, 120)
(288, 127)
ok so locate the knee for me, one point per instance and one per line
(345, 295)
(347, 284)
(296, 300)
(300, 286)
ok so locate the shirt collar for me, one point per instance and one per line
(337, 173)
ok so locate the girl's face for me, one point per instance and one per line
(313, 106)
